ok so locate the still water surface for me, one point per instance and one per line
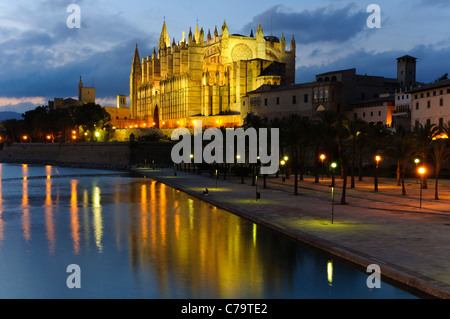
(136, 238)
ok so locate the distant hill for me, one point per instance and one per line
(10, 115)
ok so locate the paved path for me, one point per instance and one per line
(410, 244)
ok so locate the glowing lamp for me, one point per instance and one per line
(422, 170)
(333, 165)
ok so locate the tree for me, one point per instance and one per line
(317, 138)
(401, 149)
(355, 128)
(424, 135)
(256, 122)
(36, 123)
(440, 154)
(293, 138)
(91, 116)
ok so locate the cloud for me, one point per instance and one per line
(430, 63)
(325, 24)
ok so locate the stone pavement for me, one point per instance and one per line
(410, 244)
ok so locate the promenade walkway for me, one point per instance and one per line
(409, 243)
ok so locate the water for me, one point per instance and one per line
(136, 238)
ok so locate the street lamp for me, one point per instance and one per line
(417, 161)
(421, 172)
(282, 171)
(377, 159)
(322, 157)
(333, 166)
(242, 169)
(190, 163)
(287, 169)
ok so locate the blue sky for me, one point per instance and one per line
(41, 58)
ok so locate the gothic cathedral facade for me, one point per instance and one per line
(206, 79)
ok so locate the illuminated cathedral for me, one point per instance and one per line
(206, 79)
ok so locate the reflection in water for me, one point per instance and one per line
(74, 220)
(210, 249)
(1, 207)
(161, 242)
(97, 213)
(26, 224)
(330, 272)
(49, 221)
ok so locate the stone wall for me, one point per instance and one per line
(88, 155)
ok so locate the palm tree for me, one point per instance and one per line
(317, 138)
(401, 149)
(424, 135)
(354, 128)
(329, 120)
(440, 154)
(294, 137)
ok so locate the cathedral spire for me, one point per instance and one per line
(164, 40)
(293, 47)
(197, 35)
(136, 60)
(225, 32)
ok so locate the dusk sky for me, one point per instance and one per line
(41, 58)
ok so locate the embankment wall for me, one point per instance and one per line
(88, 155)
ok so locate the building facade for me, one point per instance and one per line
(206, 79)
(367, 97)
(431, 104)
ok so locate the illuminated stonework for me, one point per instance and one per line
(206, 79)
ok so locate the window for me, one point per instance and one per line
(434, 93)
(441, 102)
(417, 105)
(421, 95)
(448, 90)
(278, 100)
(428, 104)
(441, 123)
(265, 102)
(416, 96)
(305, 98)
(371, 113)
(428, 122)
(379, 113)
(294, 99)
(364, 114)
(441, 92)
(428, 94)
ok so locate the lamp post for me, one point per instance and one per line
(190, 163)
(282, 171)
(242, 169)
(421, 172)
(287, 169)
(322, 157)
(417, 161)
(377, 159)
(333, 166)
